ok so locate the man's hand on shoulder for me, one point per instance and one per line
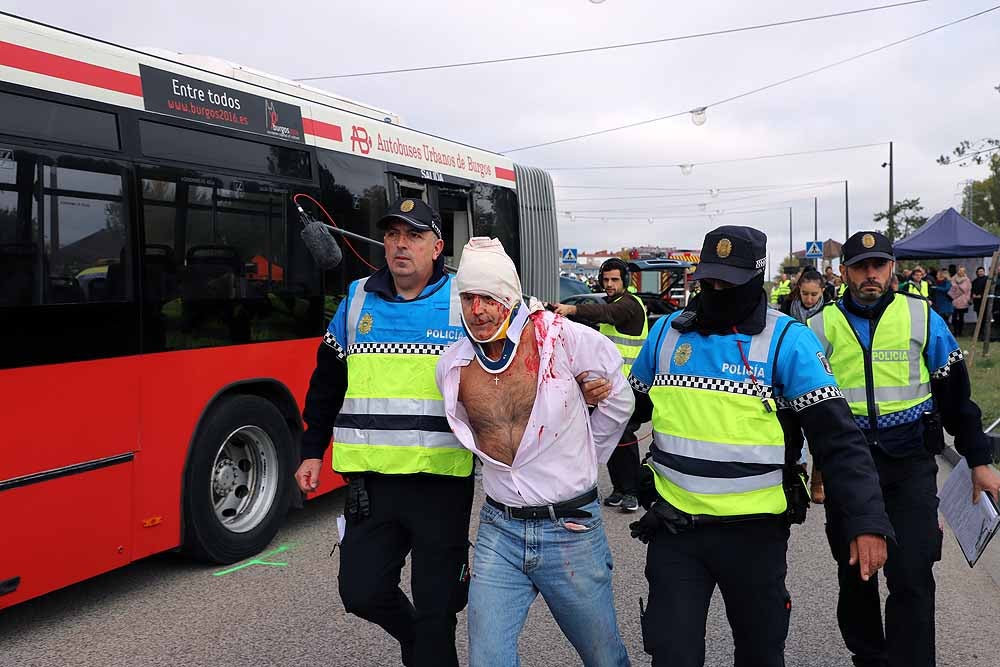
(565, 310)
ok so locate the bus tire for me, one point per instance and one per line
(237, 484)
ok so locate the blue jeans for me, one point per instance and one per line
(515, 560)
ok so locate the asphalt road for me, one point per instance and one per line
(167, 611)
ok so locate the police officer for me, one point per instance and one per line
(731, 383)
(903, 376)
(623, 319)
(410, 480)
(781, 289)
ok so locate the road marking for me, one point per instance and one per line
(257, 561)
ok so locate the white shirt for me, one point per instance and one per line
(562, 444)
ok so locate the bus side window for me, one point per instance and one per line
(223, 263)
(63, 231)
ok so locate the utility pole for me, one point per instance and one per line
(891, 200)
(816, 226)
(847, 216)
(790, 251)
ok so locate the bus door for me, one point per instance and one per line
(453, 204)
(69, 371)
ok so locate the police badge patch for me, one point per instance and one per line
(723, 248)
(826, 364)
(365, 325)
(868, 241)
(682, 354)
(406, 206)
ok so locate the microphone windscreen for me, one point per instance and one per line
(321, 245)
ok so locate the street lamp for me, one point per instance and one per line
(686, 169)
(698, 116)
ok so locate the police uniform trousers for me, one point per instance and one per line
(747, 562)
(623, 466)
(426, 516)
(909, 487)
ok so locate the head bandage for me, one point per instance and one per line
(486, 270)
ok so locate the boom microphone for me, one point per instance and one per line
(320, 243)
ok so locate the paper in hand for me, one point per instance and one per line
(973, 524)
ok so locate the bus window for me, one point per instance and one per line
(494, 214)
(354, 193)
(223, 264)
(42, 119)
(63, 232)
(215, 150)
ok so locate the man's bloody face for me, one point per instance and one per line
(484, 315)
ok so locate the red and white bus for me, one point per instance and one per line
(159, 314)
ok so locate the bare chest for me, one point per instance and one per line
(499, 406)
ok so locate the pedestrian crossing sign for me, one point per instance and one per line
(569, 255)
(814, 250)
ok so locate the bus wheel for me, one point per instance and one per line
(237, 482)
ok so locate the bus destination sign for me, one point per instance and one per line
(193, 99)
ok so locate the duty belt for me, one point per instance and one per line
(569, 509)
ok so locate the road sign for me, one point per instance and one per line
(814, 250)
(569, 255)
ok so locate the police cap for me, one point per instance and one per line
(414, 212)
(732, 253)
(866, 245)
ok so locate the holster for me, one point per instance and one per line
(647, 486)
(796, 484)
(933, 432)
(357, 506)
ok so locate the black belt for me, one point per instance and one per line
(569, 509)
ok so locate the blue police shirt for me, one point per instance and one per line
(338, 325)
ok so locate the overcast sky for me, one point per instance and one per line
(925, 95)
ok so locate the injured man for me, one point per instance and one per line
(511, 396)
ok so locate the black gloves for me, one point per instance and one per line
(661, 515)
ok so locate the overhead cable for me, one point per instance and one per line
(755, 90)
(709, 191)
(724, 161)
(610, 47)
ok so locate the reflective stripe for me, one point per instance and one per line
(716, 485)
(717, 451)
(630, 342)
(760, 344)
(393, 406)
(884, 394)
(667, 350)
(918, 323)
(354, 313)
(354, 436)
(818, 326)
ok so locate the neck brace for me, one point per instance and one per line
(510, 330)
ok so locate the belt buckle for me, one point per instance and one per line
(552, 512)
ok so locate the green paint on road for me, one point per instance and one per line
(257, 561)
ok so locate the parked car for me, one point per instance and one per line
(571, 286)
(673, 297)
(658, 303)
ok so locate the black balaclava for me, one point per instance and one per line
(721, 310)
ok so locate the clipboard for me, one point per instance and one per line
(973, 525)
